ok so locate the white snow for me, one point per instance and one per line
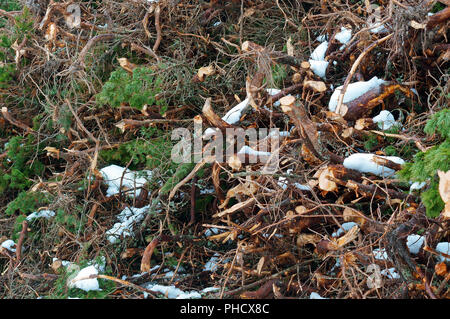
(319, 52)
(344, 36)
(213, 231)
(364, 163)
(385, 120)
(283, 182)
(380, 254)
(302, 187)
(417, 186)
(171, 291)
(391, 273)
(414, 243)
(377, 28)
(354, 90)
(85, 284)
(315, 295)
(127, 219)
(321, 38)
(204, 191)
(319, 67)
(64, 263)
(9, 244)
(189, 295)
(317, 61)
(345, 227)
(250, 151)
(112, 175)
(444, 248)
(234, 115)
(212, 264)
(42, 213)
(210, 289)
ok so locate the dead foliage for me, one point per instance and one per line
(274, 235)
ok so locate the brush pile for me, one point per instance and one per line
(348, 195)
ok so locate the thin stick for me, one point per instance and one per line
(355, 66)
(23, 233)
(158, 28)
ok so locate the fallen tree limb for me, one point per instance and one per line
(378, 192)
(15, 122)
(438, 18)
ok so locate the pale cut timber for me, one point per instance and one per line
(213, 118)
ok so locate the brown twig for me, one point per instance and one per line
(22, 235)
(158, 28)
(15, 122)
(193, 198)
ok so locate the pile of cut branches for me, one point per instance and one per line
(315, 140)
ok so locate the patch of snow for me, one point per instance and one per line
(391, 273)
(212, 264)
(315, 295)
(42, 213)
(354, 90)
(380, 254)
(344, 36)
(322, 38)
(127, 219)
(212, 231)
(210, 289)
(250, 151)
(112, 175)
(283, 183)
(319, 67)
(444, 248)
(85, 284)
(234, 115)
(272, 91)
(345, 227)
(172, 292)
(204, 191)
(64, 263)
(302, 187)
(417, 186)
(385, 120)
(317, 61)
(378, 28)
(9, 244)
(414, 243)
(364, 163)
(319, 52)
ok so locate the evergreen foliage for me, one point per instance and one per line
(137, 89)
(427, 163)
